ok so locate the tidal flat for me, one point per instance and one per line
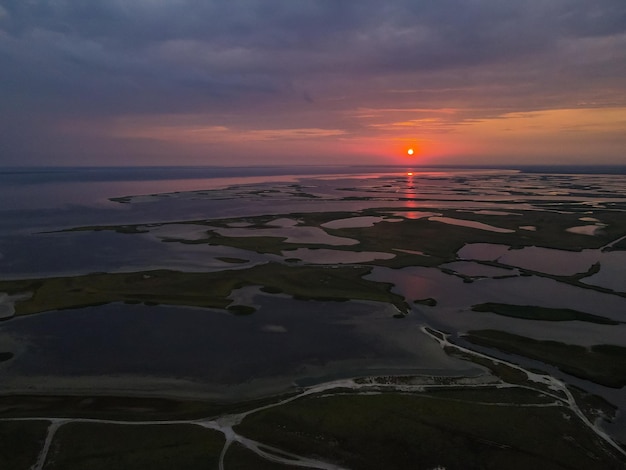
(385, 320)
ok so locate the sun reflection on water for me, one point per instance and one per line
(410, 197)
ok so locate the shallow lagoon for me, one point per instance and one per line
(470, 223)
(288, 340)
(558, 262)
(292, 234)
(284, 340)
(455, 295)
(324, 256)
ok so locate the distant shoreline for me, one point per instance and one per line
(211, 171)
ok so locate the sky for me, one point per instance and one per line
(312, 82)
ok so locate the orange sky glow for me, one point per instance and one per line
(357, 83)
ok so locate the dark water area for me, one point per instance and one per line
(284, 339)
(47, 219)
(67, 253)
(36, 188)
(28, 193)
(22, 175)
(34, 175)
(206, 344)
(575, 169)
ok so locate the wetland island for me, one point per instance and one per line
(457, 319)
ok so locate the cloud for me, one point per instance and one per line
(189, 131)
(289, 70)
(280, 134)
(231, 48)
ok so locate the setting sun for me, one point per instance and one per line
(410, 151)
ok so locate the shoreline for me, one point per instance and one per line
(180, 389)
(229, 421)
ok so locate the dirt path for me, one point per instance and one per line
(226, 423)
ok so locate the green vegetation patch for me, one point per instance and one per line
(595, 407)
(259, 244)
(151, 287)
(511, 395)
(439, 241)
(395, 431)
(429, 302)
(133, 408)
(20, 443)
(552, 227)
(241, 309)
(199, 289)
(228, 259)
(129, 229)
(531, 312)
(603, 364)
(240, 458)
(618, 246)
(505, 372)
(105, 407)
(6, 356)
(77, 446)
(105, 446)
(271, 290)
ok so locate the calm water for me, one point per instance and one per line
(135, 347)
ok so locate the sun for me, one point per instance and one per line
(410, 152)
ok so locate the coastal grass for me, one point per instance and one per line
(6, 356)
(127, 408)
(438, 242)
(505, 372)
(551, 227)
(442, 241)
(240, 458)
(257, 243)
(480, 394)
(618, 246)
(476, 427)
(232, 260)
(98, 446)
(20, 443)
(532, 312)
(603, 364)
(211, 290)
(399, 431)
(123, 408)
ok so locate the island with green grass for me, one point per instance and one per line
(357, 327)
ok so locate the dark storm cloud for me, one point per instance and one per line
(225, 47)
(116, 57)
